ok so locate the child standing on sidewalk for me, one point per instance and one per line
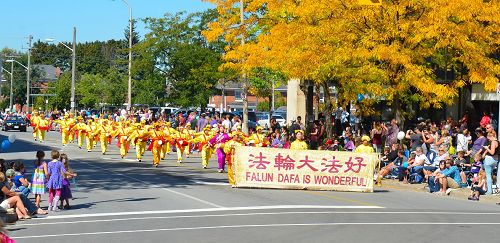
(39, 177)
(66, 186)
(56, 172)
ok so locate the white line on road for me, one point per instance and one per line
(155, 186)
(251, 226)
(198, 210)
(244, 214)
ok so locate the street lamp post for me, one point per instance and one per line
(129, 92)
(28, 76)
(73, 67)
(12, 61)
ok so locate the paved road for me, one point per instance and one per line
(126, 201)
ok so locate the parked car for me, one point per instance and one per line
(14, 123)
(264, 120)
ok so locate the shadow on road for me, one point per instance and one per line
(22, 146)
(98, 175)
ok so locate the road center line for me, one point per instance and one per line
(245, 214)
(198, 210)
(251, 226)
(155, 186)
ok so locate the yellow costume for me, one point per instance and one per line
(122, 132)
(90, 132)
(229, 151)
(42, 127)
(71, 122)
(206, 151)
(64, 127)
(157, 140)
(258, 139)
(34, 123)
(104, 133)
(181, 142)
(298, 145)
(139, 137)
(170, 135)
(365, 148)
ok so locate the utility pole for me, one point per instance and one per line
(11, 84)
(243, 76)
(130, 37)
(28, 76)
(73, 71)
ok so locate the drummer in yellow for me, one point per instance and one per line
(189, 136)
(237, 139)
(79, 129)
(34, 122)
(71, 122)
(157, 140)
(122, 132)
(90, 133)
(104, 133)
(258, 139)
(365, 147)
(170, 134)
(299, 143)
(206, 151)
(181, 142)
(64, 127)
(42, 127)
(139, 137)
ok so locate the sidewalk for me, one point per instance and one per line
(461, 194)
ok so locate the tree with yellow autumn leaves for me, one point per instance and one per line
(392, 51)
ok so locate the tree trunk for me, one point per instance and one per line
(328, 110)
(398, 111)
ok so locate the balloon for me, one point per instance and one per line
(5, 145)
(12, 138)
(401, 135)
(360, 97)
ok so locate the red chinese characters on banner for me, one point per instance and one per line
(307, 162)
(331, 165)
(355, 166)
(258, 161)
(285, 163)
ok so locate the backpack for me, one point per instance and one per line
(416, 178)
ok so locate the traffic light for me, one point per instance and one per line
(370, 2)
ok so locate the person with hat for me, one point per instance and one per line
(203, 139)
(181, 142)
(34, 124)
(90, 133)
(237, 139)
(299, 143)
(78, 129)
(218, 142)
(189, 136)
(258, 139)
(157, 140)
(170, 134)
(63, 127)
(103, 131)
(71, 122)
(365, 147)
(122, 132)
(42, 126)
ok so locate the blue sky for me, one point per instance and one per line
(93, 19)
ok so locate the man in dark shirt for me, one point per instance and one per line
(416, 138)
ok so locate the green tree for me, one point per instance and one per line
(62, 92)
(175, 53)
